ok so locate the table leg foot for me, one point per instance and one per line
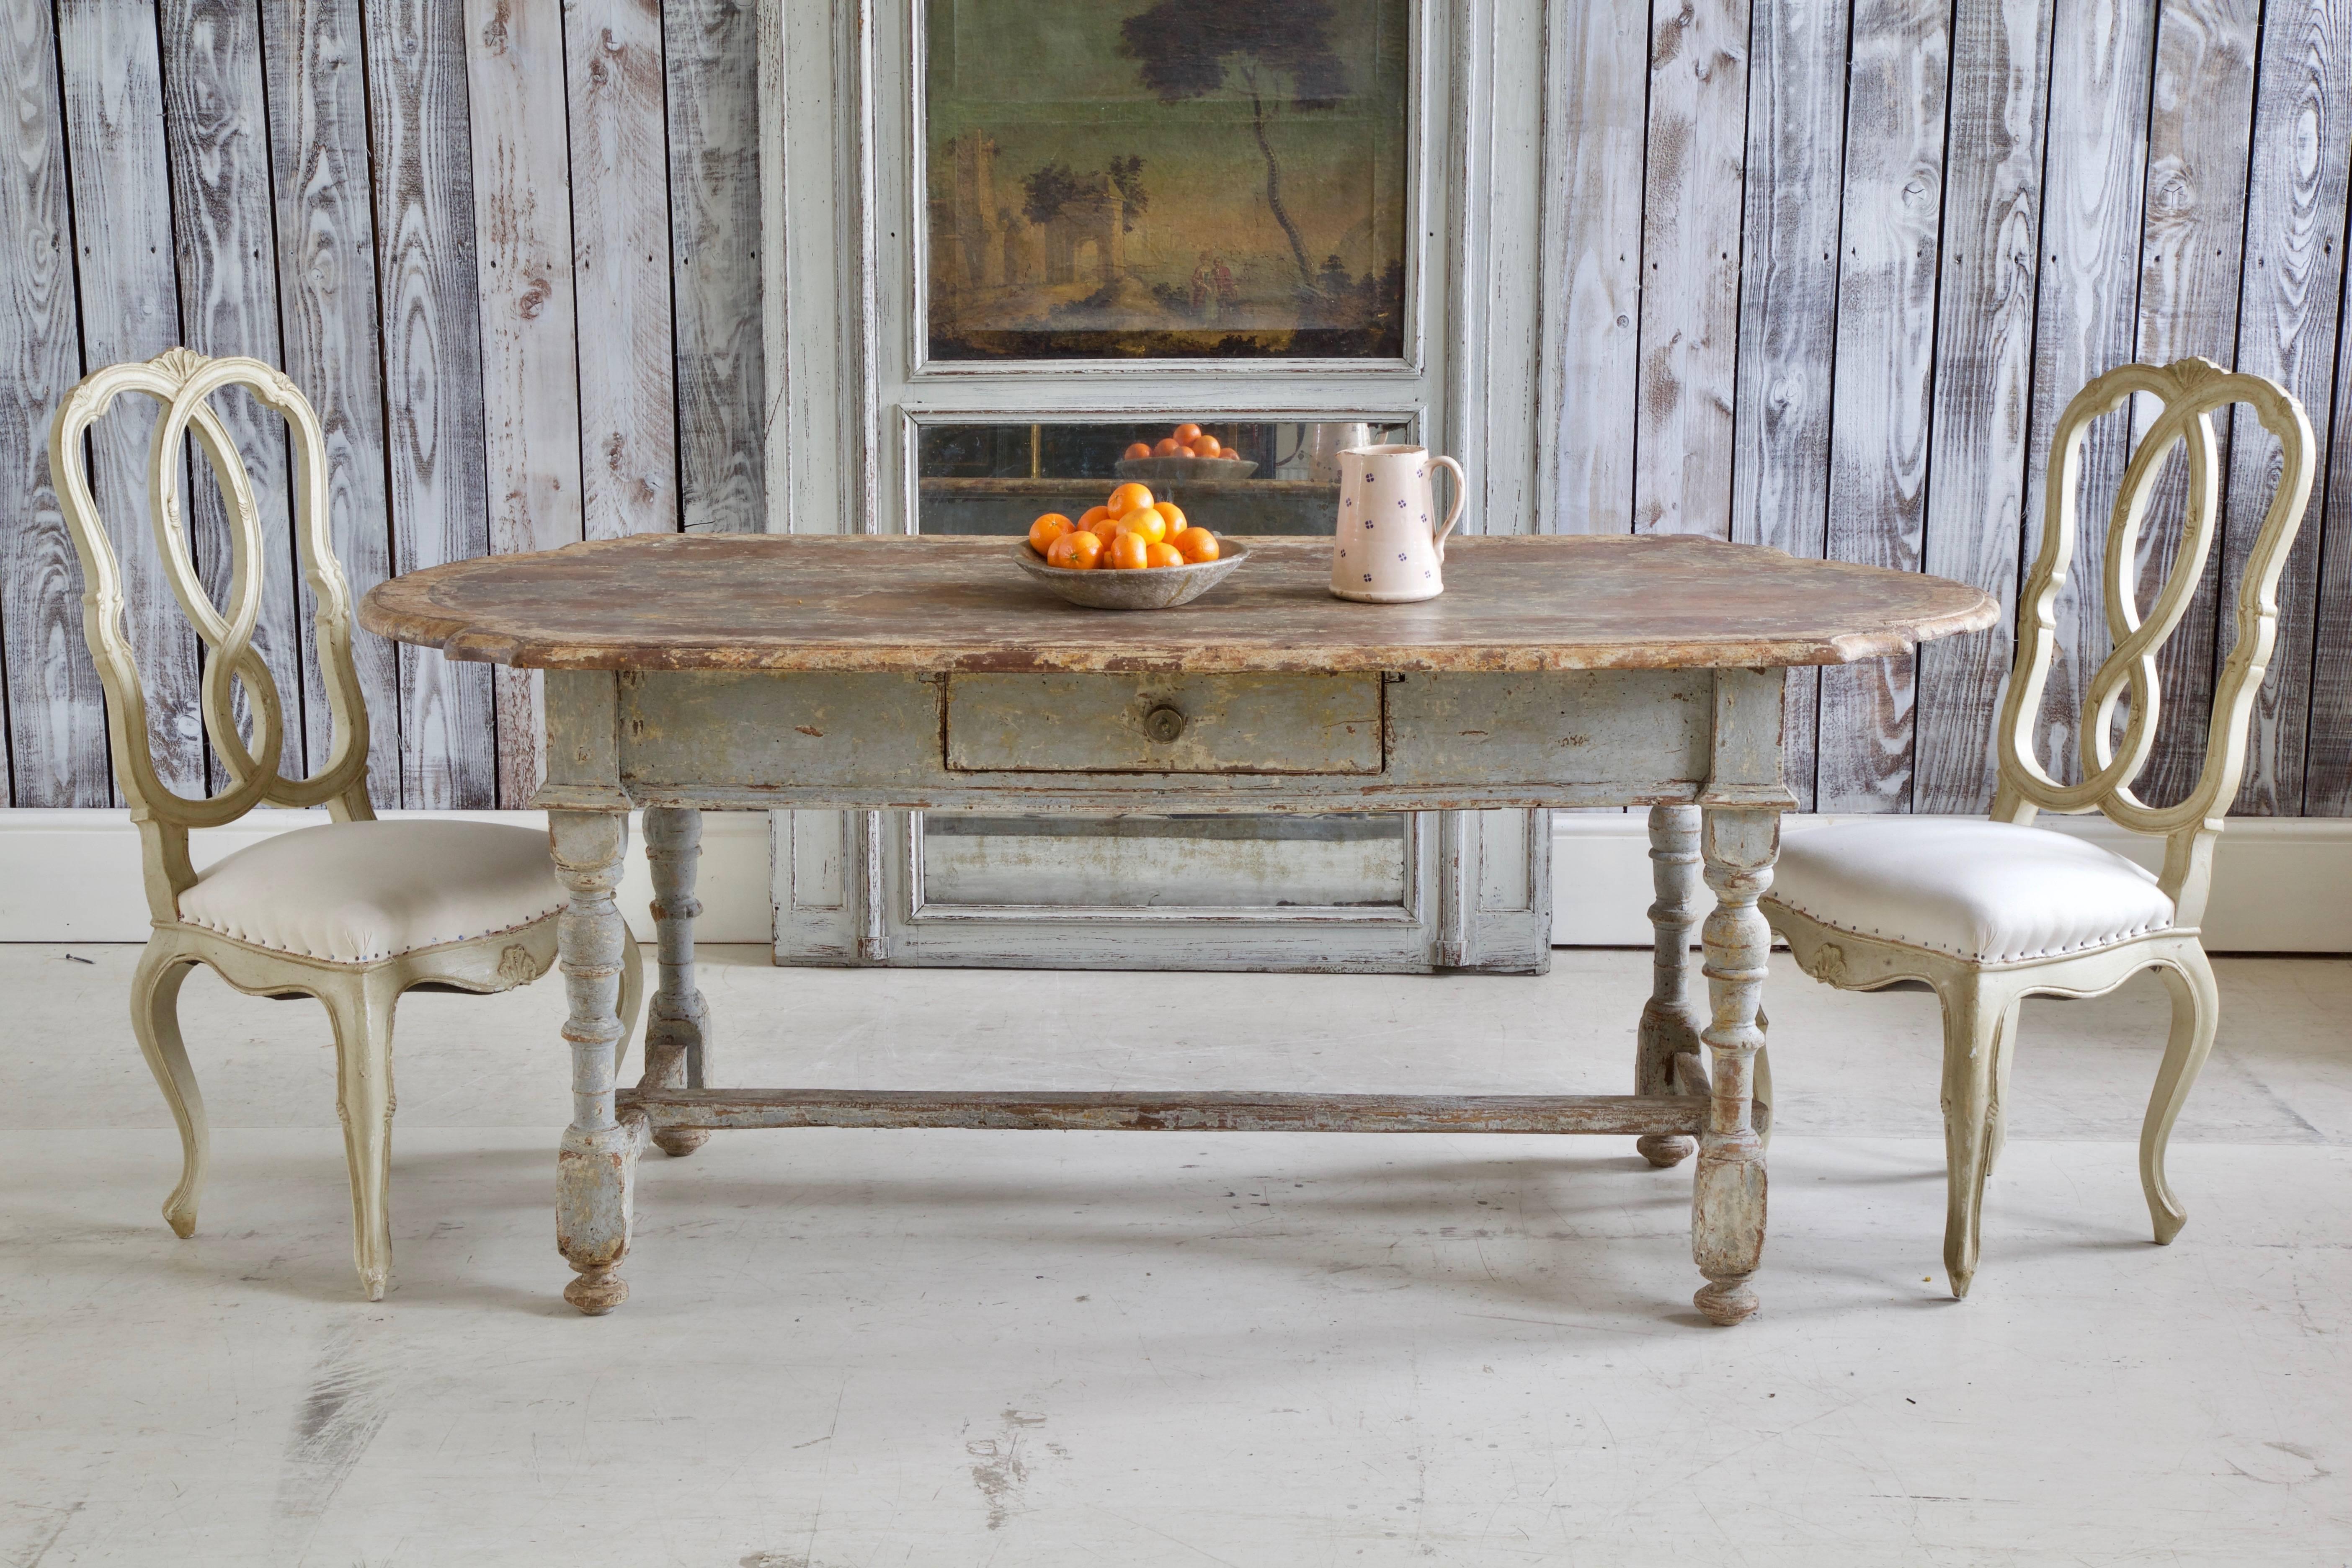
(598, 1291)
(1726, 1302)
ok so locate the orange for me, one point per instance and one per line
(1208, 447)
(1196, 544)
(1188, 434)
(1147, 521)
(1162, 555)
(1100, 522)
(1169, 447)
(1077, 551)
(1127, 498)
(1138, 450)
(1174, 515)
(1130, 551)
(1047, 528)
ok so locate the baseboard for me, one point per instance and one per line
(74, 876)
(2280, 884)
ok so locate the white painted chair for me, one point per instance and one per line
(355, 911)
(1988, 913)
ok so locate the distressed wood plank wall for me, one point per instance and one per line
(1834, 267)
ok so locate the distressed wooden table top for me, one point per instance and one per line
(899, 603)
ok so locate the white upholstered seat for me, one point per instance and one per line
(1991, 892)
(356, 892)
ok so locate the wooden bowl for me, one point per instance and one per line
(1176, 470)
(1141, 588)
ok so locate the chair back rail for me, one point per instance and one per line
(183, 382)
(2190, 391)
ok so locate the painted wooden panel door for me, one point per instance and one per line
(1008, 240)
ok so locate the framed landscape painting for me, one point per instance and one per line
(1183, 179)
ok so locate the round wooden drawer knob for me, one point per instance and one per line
(1163, 724)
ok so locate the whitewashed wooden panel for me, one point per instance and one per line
(130, 311)
(1690, 265)
(714, 196)
(1788, 305)
(531, 368)
(621, 266)
(2094, 166)
(1983, 383)
(327, 301)
(2289, 293)
(2327, 761)
(1885, 371)
(217, 132)
(1593, 271)
(433, 374)
(2200, 108)
(55, 743)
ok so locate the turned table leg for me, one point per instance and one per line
(1671, 1020)
(1740, 845)
(595, 1168)
(678, 1022)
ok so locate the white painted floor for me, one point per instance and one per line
(851, 1349)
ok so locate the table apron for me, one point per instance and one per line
(1158, 742)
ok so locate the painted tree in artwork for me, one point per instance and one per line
(1278, 50)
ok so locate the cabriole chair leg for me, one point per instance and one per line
(364, 1098)
(1976, 1021)
(2196, 1018)
(155, 1019)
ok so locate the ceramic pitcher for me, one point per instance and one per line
(1389, 552)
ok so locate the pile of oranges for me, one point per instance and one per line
(1128, 532)
(1188, 441)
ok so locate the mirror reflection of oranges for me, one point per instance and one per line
(1140, 449)
(1131, 531)
(1187, 434)
(1187, 440)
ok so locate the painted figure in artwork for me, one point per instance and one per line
(1187, 178)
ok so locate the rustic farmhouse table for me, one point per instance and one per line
(861, 673)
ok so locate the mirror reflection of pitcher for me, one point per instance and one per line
(1387, 550)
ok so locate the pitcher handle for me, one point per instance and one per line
(1461, 494)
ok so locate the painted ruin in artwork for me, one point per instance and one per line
(1188, 178)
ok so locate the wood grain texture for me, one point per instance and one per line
(1983, 379)
(130, 311)
(2290, 290)
(877, 603)
(714, 197)
(55, 743)
(216, 127)
(1600, 68)
(2193, 243)
(531, 368)
(1788, 308)
(433, 374)
(1690, 265)
(1885, 369)
(621, 266)
(326, 259)
(2328, 760)
(2093, 181)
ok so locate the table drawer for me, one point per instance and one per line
(1164, 724)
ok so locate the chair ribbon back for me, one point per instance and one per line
(2189, 390)
(183, 382)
